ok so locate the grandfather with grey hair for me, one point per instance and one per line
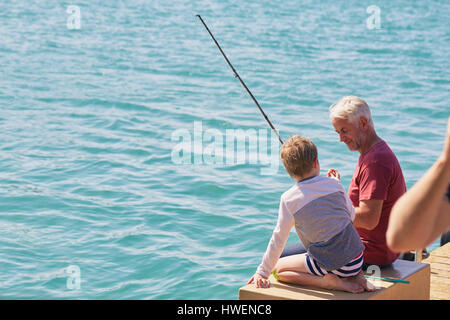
(376, 184)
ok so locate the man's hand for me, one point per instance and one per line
(333, 173)
(260, 281)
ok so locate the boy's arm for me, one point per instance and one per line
(277, 242)
(348, 202)
(350, 207)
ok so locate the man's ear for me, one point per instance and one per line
(363, 123)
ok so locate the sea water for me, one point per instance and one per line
(118, 177)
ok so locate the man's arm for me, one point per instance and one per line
(442, 222)
(367, 215)
(422, 213)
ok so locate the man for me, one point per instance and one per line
(377, 182)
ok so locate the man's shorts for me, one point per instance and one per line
(350, 269)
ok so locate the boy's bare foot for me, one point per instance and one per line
(364, 282)
(333, 282)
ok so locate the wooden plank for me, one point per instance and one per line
(439, 261)
(417, 273)
(438, 280)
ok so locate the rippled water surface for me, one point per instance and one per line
(90, 116)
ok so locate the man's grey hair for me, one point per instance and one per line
(351, 108)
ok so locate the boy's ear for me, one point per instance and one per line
(316, 163)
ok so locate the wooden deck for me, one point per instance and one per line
(439, 261)
(428, 280)
(418, 288)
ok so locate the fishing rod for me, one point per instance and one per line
(237, 76)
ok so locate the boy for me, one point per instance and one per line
(322, 214)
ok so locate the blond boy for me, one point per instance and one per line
(322, 214)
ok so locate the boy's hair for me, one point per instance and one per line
(298, 155)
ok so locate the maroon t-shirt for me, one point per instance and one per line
(377, 176)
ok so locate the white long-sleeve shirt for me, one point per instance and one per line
(320, 209)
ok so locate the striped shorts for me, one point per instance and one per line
(350, 269)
